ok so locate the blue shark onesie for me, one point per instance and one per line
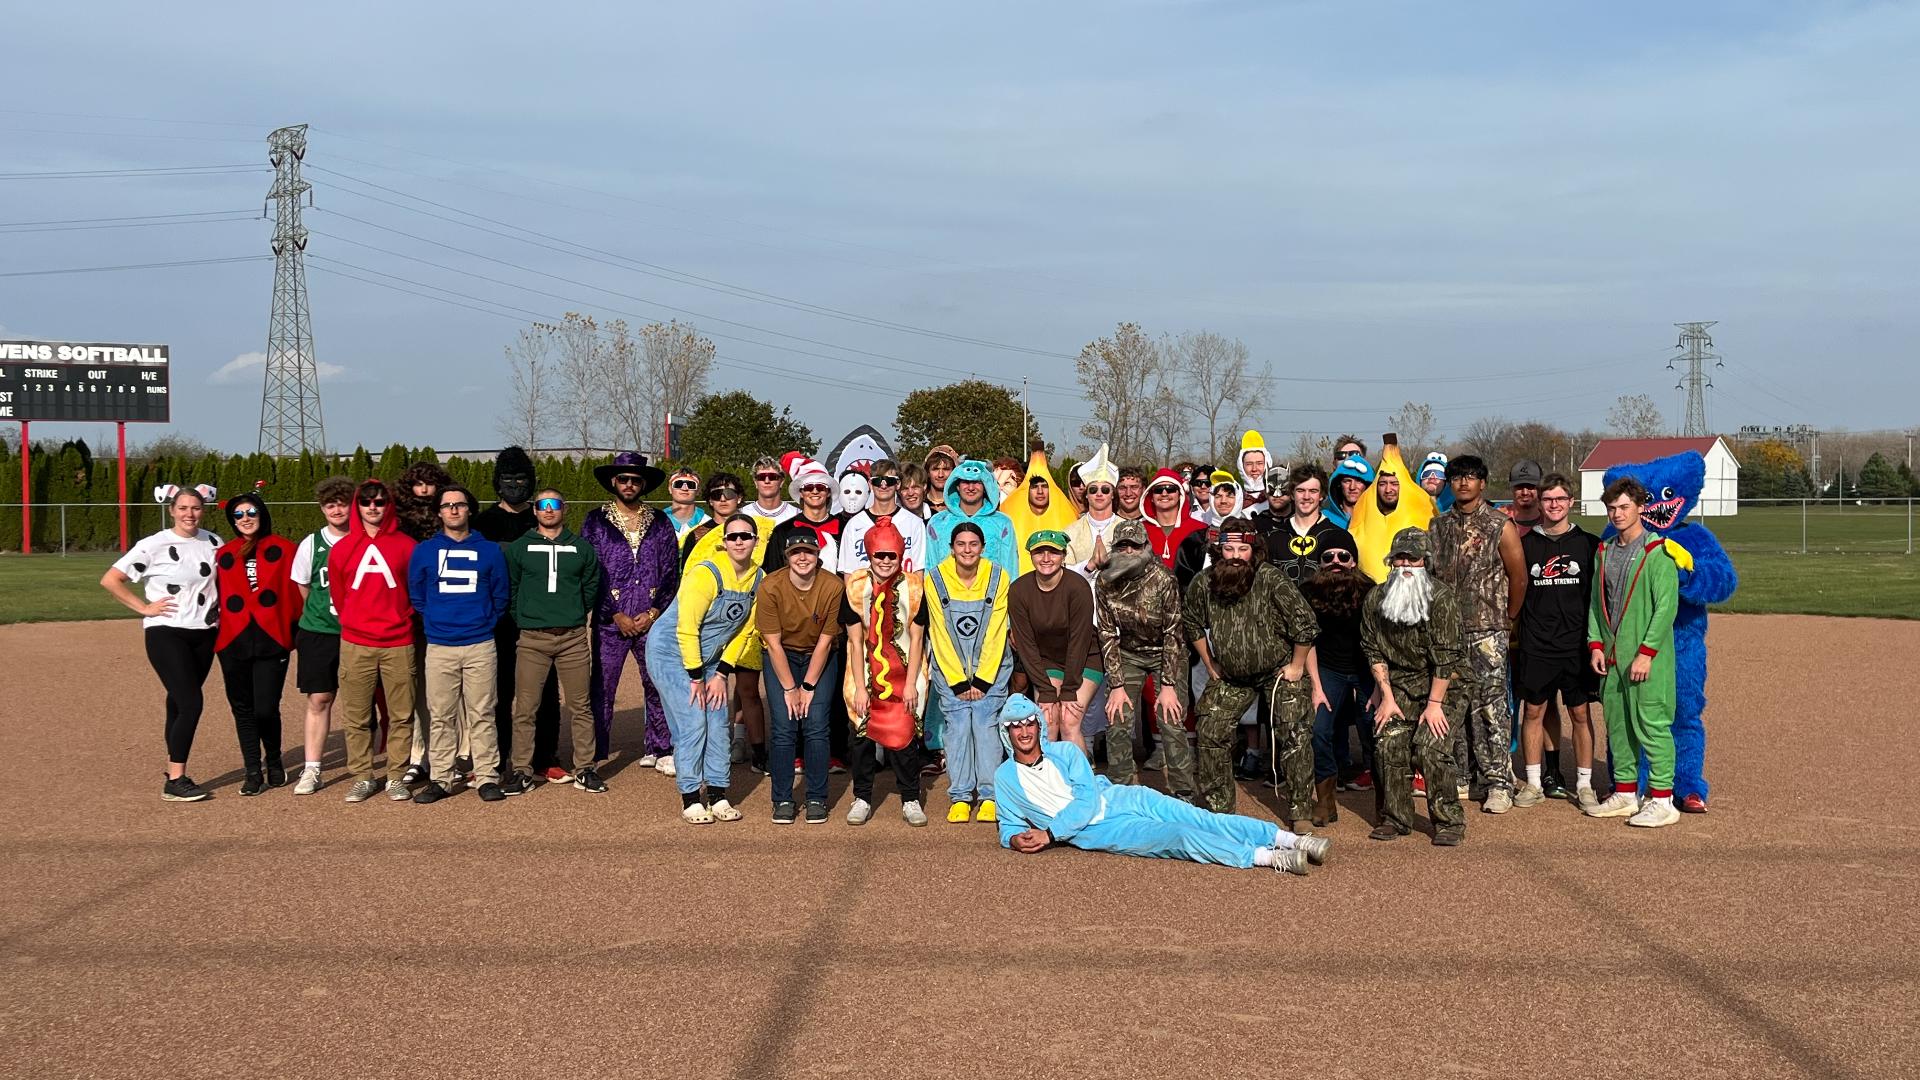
(1061, 794)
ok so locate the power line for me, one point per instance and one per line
(129, 119)
(157, 170)
(131, 217)
(246, 215)
(124, 135)
(134, 266)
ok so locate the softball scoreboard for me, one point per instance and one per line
(84, 382)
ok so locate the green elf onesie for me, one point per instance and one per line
(1637, 620)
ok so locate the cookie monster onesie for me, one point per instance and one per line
(1706, 577)
(1059, 793)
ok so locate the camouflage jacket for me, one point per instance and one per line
(1414, 654)
(1140, 617)
(1254, 636)
(1466, 555)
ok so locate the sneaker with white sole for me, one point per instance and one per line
(725, 811)
(1655, 814)
(648, 761)
(664, 766)
(309, 781)
(1317, 849)
(1618, 804)
(1586, 800)
(362, 790)
(697, 815)
(1291, 861)
(398, 791)
(912, 812)
(1499, 801)
(859, 812)
(1529, 795)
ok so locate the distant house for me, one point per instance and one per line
(1719, 498)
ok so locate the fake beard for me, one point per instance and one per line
(854, 493)
(1125, 567)
(514, 489)
(1336, 593)
(1409, 595)
(1230, 579)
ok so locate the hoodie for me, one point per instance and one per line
(367, 576)
(1165, 540)
(266, 596)
(459, 587)
(994, 525)
(1356, 467)
(1066, 796)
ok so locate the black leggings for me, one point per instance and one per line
(182, 659)
(255, 672)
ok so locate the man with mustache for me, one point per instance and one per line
(1410, 635)
(1252, 630)
(1141, 636)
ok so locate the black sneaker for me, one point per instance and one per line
(431, 793)
(816, 813)
(276, 773)
(254, 784)
(1555, 788)
(184, 790)
(414, 776)
(462, 767)
(1449, 836)
(783, 813)
(588, 780)
(514, 784)
(491, 792)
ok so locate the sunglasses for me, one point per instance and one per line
(1128, 545)
(886, 481)
(1100, 489)
(880, 556)
(461, 505)
(685, 485)
(724, 493)
(629, 478)
(1336, 558)
(549, 504)
(375, 501)
(1164, 489)
(739, 537)
(767, 476)
(239, 512)
(816, 488)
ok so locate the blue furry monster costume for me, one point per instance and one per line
(1706, 577)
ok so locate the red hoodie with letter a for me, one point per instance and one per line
(368, 579)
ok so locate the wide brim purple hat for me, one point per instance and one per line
(629, 461)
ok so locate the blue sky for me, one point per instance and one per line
(1402, 191)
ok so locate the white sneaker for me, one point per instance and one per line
(648, 761)
(697, 815)
(1463, 793)
(724, 811)
(309, 781)
(1618, 804)
(859, 812)
(664, 766)
(1586, 800)
(1655, 814)
(917, 817)
(1499, 801)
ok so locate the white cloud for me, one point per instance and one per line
(248, 367)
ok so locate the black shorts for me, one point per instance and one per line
(319, 661)
(1536, 679)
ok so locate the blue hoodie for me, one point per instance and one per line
(459, 587)
(996, 527)
(1355, 467)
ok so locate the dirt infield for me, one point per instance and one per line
(599, 936)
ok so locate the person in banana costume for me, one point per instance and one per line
(1395, 502)
(1038, 508)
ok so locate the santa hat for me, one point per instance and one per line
(1098, 470)
(1170, 477)
(804, 471)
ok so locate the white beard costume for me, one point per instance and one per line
(1409, 595)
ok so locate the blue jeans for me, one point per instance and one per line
(973, 743)
(784, 730)
(702, 737)
(1346, 704)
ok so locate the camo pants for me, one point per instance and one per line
(1484, 736)
(1217, 719)
(1400, 743)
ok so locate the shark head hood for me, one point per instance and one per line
(976, 470)
(1019, 707)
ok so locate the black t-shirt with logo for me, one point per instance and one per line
(1298, 554)
(1561, 571)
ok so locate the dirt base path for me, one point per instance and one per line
(585, 936)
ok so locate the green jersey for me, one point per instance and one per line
(310, 569)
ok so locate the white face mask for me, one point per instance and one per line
(854, 494)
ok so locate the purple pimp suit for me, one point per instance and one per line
(642, 572)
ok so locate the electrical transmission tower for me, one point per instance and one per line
(290, 402)
(1698, 344)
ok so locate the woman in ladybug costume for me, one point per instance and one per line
(258, 606)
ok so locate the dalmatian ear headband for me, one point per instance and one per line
(165, 493)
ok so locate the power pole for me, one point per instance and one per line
(1695, 339)
(290, 401)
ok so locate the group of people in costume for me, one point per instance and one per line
(1365, 626)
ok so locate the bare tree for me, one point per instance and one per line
(1212, 383)
(1123, 376)
(674, 361)
(1413, 422)
(1310, 448)
(1486, 438)
(1635, 416)
(529, 398)
(624, 392)
(579, 378)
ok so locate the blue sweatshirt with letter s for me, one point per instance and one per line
(459, 587)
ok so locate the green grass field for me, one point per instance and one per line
(1854, 566)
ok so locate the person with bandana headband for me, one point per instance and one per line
(972, 496)
(1051, 796)
(639, 555)
(1050, 619)
(1167, 519)
(1193, 554)
(1252, 631)
(508, 519)
(1410, 635)
(1351, 479)
(1038, 508)
(1341, 685)
(1137, 605)
(885, 615)
(884, 504)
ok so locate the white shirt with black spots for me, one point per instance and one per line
(181, 567)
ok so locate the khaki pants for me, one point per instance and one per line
(460, 684)
(363, 667)
(568, 653)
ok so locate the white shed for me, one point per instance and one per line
(1719, 498)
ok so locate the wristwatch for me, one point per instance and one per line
(807, 686)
